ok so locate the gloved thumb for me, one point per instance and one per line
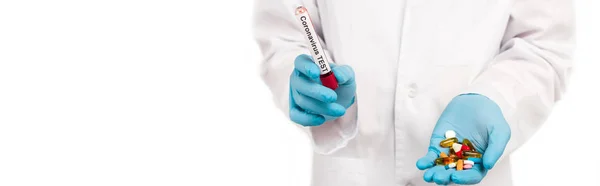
(428, 160)
(497, 141)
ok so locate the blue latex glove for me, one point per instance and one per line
(311, 103)
(478, 119)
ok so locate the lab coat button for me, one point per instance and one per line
(412, 90)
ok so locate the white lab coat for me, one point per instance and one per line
(411, 57)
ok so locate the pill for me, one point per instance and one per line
(465, 148)
(468, 143)
(450, 134)
(451, 165)
(448, 142)
(467, 166)
(440, 161)
(459, 165)
(469, 162)
(445, 160)
(470, 154)
(443, 155)
(457, 147)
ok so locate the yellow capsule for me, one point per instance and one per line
(471, 154)
(445, 160)
(469, 144)
(440, 161)
(448, 142)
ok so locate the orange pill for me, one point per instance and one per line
(459, 165)
(443, 155)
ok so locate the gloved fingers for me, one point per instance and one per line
(497, 141)
(469, 177)
(333, 65)
(305, 65)
(305, 119)
(346, 94)
(305, 86)
(428, 175)
(428, 160)
(442, 177)
(315, 106)
(344, 74)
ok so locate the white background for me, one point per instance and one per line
(126, 92)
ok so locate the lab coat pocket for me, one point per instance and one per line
(329, 171)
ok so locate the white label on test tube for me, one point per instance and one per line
(311, 36)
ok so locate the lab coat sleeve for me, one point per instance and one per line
(280, 40)
(531, 72)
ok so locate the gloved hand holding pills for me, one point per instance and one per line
(467, 141)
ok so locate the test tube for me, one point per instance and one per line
(317, 52)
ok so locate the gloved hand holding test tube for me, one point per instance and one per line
(319, 91)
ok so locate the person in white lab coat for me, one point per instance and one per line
(409, 70)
